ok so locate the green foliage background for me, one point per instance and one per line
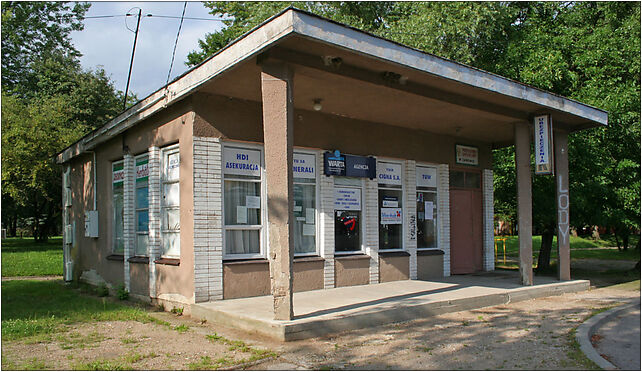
(588, 51)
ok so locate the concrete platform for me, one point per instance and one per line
(324, 312)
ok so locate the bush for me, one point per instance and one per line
(122, 293)
(102, 290)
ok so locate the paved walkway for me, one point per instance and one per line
(617, 338)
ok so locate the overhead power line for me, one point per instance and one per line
(176, 43)
(149, 15)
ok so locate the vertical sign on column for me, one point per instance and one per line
(543, 145)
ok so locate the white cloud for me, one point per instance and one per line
(106, 42)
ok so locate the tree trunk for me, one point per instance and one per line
(544, 258)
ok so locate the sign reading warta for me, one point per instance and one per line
(467, 155)
(543, 145)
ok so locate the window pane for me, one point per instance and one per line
(119, 244)
(172, 166)
(390, 219)
(171, 219)
(171, 245)
(426, 220)
(347, 181)
(457, 179)
(142, 220)
(142, 197)
(347, 231)
(242, 242)
(304, 219)
(171, 194)
(241, 202)
(472, 180)
(141, 244)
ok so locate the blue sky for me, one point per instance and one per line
(107, 43)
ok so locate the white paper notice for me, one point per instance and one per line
(253, 202)
(309, 215)
(241, 214)
(308, 230)
(297, 208)
(429, 209)
(302, 219)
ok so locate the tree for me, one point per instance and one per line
(31, 30)
(48, 102)
(589, 51)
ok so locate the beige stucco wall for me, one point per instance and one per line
(351, 270)
(249, 279)
(394, 268)
(430, 267)
(172, 126)
(139, 278)
(235, 119)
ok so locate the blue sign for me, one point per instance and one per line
(336, 164)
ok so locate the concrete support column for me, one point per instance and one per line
(560, 142)
(278, 125)
(370, 213)
(410, 209)
(443, 214)
(326, 190)
(524, 202)
(489, 231)
(154, 244)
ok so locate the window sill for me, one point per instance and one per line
(394, 254)
(430, 252)
(168, 261)
(116, 257)
(352, 256)
(138, 259)
(245, 261)
(308, 259)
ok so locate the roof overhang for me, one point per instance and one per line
(300, 38)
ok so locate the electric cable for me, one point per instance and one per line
(180, 25)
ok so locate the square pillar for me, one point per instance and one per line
(524, 202)
(278, 125)
(560, 142)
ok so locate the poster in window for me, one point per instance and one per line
(347, 199)
(429, 211)
(391, 216)
(308, 230)
(172, 166)
(241, 214)
(253, 202)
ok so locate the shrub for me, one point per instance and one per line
(102, 290)
(122, 293)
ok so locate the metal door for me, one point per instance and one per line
(465, 222)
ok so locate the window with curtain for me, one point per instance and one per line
(426, 207)
(142, 206)
(170, 203)
(304, 171)
(118, 184)
(242, 202)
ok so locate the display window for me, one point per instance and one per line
(141, 216)
(118, 186)
(427, 207)
(305, 204)
(390, 205)
(170, 207)
(243, 201)
(347, 215)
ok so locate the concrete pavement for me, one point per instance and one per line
(612, 339)
(323, 312)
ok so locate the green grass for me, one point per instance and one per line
(580, 248)
(45, 308)
(24, 257)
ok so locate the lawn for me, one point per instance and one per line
(24, 257)
(580, 248)
(37, 308)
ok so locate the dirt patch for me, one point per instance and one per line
(533, 335)
(130, 345)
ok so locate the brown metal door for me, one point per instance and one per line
(465, 227)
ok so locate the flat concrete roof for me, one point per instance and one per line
(420, 90)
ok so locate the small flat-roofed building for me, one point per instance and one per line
(308, 155)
